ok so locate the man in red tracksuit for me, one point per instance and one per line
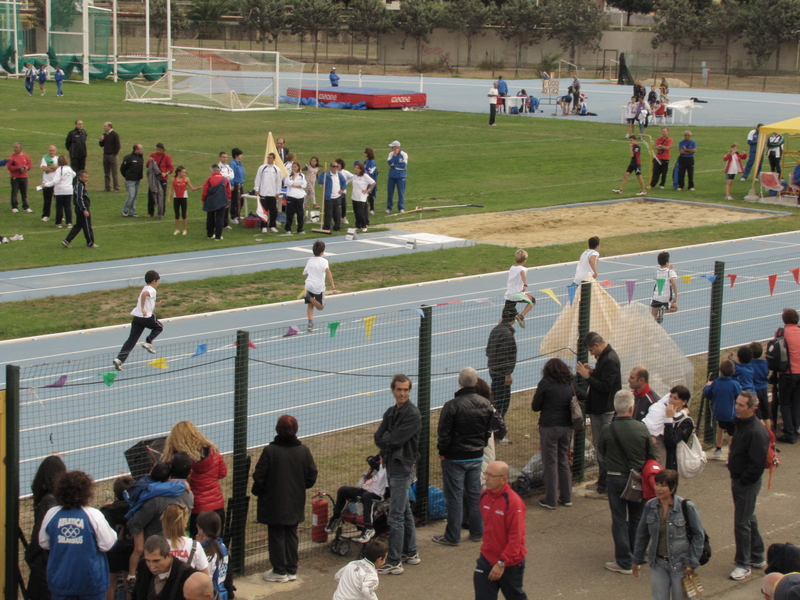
(501, 565)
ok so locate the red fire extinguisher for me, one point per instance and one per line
(319, 518)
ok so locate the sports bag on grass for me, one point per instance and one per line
(691, 457)
(633, 491)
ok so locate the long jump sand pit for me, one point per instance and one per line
(575, 223)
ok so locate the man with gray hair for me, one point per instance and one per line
(465, 425)
(626, 445)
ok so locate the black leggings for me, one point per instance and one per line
(63, 209)
(346, 493)
(180, 208)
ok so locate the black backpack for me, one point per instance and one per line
(777, 354)
(705, 555)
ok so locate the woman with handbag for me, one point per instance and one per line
(679, 425)
(672, 534)
(553, 398)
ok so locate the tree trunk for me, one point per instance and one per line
(419, 53)
(628, 22)
(367, 58)
(276, 42)
(777, 59)
(263, 43)
(725, 54)
(469, 50)
(674, 57)
(316, 46)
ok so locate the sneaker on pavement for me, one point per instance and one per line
(440, 539)
(505, 441)
(274, 577)
(718, 454)
(614, 567)
(740, 573)
(149, 347)
(368, 534)
(118, 364)
(388, 569)
(292, 576)
(760, 565)
(413, 559)
(544, 504)
(472, 538)
(567, 504)
(333, 523)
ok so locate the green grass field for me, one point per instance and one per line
(522, 163)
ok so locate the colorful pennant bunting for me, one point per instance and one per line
(368, 323)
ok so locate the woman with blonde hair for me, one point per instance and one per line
(207, 470)
(173, 523)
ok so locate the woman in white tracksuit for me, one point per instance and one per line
(62, 182)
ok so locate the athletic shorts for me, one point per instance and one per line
(730, 175)
(318, 297)
(513, 303)
(657, 304)
(728, 427)
(634, 168)
(631, 121)
(763, 412)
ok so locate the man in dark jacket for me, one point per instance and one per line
(502, 354)
(465, 425)
(398, 439)
(111, 146)
(216, 200)
(746, 463)
(132, 169)
(626, 444)
(76, 146)
(151, 581)
(605, 380)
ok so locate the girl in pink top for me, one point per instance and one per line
(181, 186)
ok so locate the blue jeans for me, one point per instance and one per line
(402, 531)
(749, 545)
(664, 581)
(400, 184)
(457, 478)
(58, 85)
(129, 208)
(625, 517)
(510, 582)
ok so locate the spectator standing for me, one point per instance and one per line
(62, 184)
(237, 185)
(284, 472)
(630, 116)
(752, 142)
(332, 183)
(643, 395)
(109, 142)
(687, 148)
(209, 530)
(42, 77)
(174, 521)
(180, 191)
(639, 91)
(295, 184)
(733, 166)
(501, 564)
(78, 537)
(18, 165)
(789, 382)
(30, 78)
(665, 297)
(679, 426)
(587, 264)
(501, 352)
(43, 488)
(119, 557)
(625, 445)
(333, 77)
(604, 380)
(76, 146)
(363, 187)
(775, 152)
(723, 392)
(663, 149)
(158, 187)
(398, 440)
(283, 151)
(132, 170)
(761, 383)
(160, 575)
(502, 92)
(746, 462)
(83, 218)
(208, 469)
(493, 95)
(348, 178)
(371, 168)
(59, 78)
(398, 168)
(576, 97)
(267, 187)
(49, 166)
(311, 171)
(553, 397)
(656, 420)
(465, 425)
(216, 200)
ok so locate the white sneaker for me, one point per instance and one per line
(413, 559)
(28, 210)
(388, 211)
(345, 221)
(15, 210)
(364, 230)
(274, 577)
(728, 197)
(263, 230)
(372, 212)
(69, 225)
(149, 347)
(718, 454)
(642, 194)
(368, 534)
(740, 573)
(234, 221)
(45, 219)
(184, 232)
(228, 227)
(613, 566)
(118, 364)
(402, 211)
(176, 232)
(273, 230)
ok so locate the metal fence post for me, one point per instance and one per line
(10, 457)
(238, 504)
(584, 324)
(714, 340)
(424, 405)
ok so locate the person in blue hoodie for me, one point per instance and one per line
(744, 369)
(59, 77)
(761, 383)
(333, 184)
(502, 89)
(78, 536)
(237, 184)
(723, 392)
(398, 166)
(334, 77)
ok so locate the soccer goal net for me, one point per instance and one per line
(223, 80)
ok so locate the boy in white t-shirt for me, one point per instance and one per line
(665, 300)
(358, 580)
(587, 265)
(143, 318)
(518, 284)
(316, 270)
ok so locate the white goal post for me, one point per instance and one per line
(223, 79)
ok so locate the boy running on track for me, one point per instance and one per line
(635, 166)
(316, 270)
(143, 318)
(518, 285)
(665, 300)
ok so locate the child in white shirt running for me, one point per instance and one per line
(316, 270)
(518, 285)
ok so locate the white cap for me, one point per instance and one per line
(394, 144)
(333, 68)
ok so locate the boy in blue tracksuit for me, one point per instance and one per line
(237, 184)
(59, 77)
(761, 383)
(333, 184)
(744, 369)
(398, 165)
(723, 392)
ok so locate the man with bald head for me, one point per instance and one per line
(199, 587)
(49, 166)
(768, 585)
(76, 146)
(501, 564)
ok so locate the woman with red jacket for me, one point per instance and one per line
(207, 471)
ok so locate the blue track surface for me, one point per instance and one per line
(84, 420)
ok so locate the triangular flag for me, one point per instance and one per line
(58, 382)
(332, 327)
(550, 293)
(368, 323)
(571, 289)
(301, 294)
(201, 349)
(525, 298)
(108, 378)
(421, 312)
(291, 331)
(686, 279)
(271, 147)
(631, 285)
(605, 283)
(772, 280)
(660, 285)
(796, 273)
(250, 344)
(485, 300)
(159, 363)
(711, 278)
(733, 277)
